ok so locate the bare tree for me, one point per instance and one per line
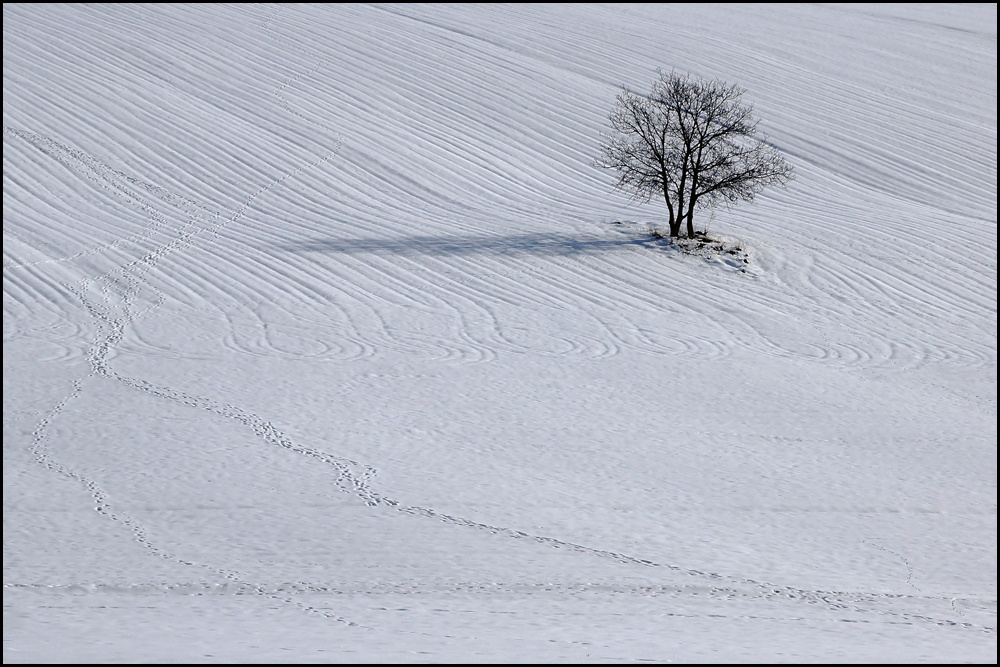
(693, 142)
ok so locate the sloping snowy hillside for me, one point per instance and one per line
(325, 341)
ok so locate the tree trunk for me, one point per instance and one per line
(674, 222)
(690, 217)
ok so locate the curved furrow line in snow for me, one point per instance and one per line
(391, 307)
(467, 309)
(940, 336)
(36, 293)
(251, 333)
(596, 300)
(922, 279)
(605, 286)
(715, 310)
(409, 289)
(896, 261)
(862, 343)
(603, 298)
(476, 317)
(904, 266)
(913, 299)
(874, 300)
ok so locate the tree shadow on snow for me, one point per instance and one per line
(512, 244)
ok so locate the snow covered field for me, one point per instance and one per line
(325, 312)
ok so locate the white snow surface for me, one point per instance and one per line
(324, 341)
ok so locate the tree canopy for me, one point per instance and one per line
(692, 141)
